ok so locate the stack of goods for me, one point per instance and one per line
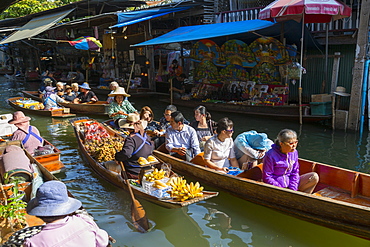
(29, 104)
(157, 183)
(99, 143)
(150, 160)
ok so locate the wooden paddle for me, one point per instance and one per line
(138, 214)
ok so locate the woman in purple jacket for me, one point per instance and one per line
(281, 167)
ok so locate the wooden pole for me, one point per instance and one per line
(171, 92)
(129, 78)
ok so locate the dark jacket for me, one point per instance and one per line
(132, 143)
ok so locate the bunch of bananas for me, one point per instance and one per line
(104, 149)
(159, 184)
(155, 175)
(181, 191)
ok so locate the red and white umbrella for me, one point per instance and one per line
(305, 11)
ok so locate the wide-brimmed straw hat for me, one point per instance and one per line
(52, 200)
(341, 91)
(119, 91)
(129, 122)
(114, 83)
(19, 117)
(85, 85)
(258, 140)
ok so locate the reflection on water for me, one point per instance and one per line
(221, 221)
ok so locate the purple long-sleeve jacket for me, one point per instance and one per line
(281, 169)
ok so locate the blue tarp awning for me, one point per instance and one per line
(207, 31)
(129, 18)
(246, 31)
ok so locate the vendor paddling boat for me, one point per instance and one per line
(35, 107)
(341, 200)
(48, 155)
(89, 133)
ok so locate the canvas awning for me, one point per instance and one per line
(129, 18)
(247, 31)
(36, 26)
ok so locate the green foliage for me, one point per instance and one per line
(26, 7)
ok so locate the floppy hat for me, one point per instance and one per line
(129, 122)
(52, 200)
(114, 83)
(85, 85)
(119, 91)
(341, 91)
(48, 81)
(68, 87)
(258, 140)
(19, 117)
(49, 89)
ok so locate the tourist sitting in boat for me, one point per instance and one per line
(178, 87)
(15, 163)
(181, 139)
(281, 167)
(28, 134)
(203, 125)
(50, 99)
(49, 75)
(165, 120)
(137, 144)
(64, 226)
(69, 95)
(60, 89)
(75, 88)
(250, 148)
(86, 95)
(112, 86)
(219, 149)
(154, 127)
(45, 83)
(119, 108)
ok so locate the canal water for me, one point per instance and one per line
(222, 221)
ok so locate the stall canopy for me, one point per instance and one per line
(129, 18)
(247, 31)
(36, 26)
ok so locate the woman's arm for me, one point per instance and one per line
(212, 165)
(268, 171)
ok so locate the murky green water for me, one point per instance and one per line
(221, 221)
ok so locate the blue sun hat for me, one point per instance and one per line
(85, 85)
(258, 140)
(52, 200)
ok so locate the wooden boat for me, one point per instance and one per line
(91, 108)
(340, 201)
(62, 112)
(116, 178)
(26, 187)
(50, 161)
(134, 92)
(283, 112)
(32, 75)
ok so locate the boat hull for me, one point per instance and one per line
(285, 112)
(91, 108)
(344, 216)
(54, 113)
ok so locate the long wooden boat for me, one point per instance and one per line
(50, 161)
(27, 188)
(116, 178)
(62, 112)
(91, 108)
(284, 112)
(134, 92)
(340, 201)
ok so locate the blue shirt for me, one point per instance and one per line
(187, 137)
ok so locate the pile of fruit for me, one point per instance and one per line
(155, 175)
(104, 149)
(181, 191)
(94, 131)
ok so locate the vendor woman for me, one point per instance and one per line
(119, 108)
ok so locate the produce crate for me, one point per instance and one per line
(320, 108)
(320, 97)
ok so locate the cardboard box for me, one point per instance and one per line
(320, 97)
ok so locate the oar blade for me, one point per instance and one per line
(138, 216)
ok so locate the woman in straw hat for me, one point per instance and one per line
(63, 226)
(112, 86)
(86, 95)
(28, 134)
(119, 107)
(136, 145)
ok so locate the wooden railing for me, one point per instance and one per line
(350, 23)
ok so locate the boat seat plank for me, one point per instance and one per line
(342, 195)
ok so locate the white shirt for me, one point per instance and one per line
(219, 152)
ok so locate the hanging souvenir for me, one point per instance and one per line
(238, 52)
(206, 49)
(265, 73)
(206, 72)
(233, 72)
